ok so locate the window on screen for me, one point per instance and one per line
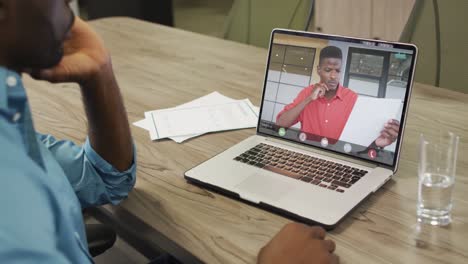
(377, 73)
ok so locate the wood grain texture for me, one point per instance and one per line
(159, 67)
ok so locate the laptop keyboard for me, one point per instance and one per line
(326, 174)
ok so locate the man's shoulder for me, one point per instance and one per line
(307, 90)
(14, 159)
(26, 203)
(310, 87)
(21, 176)
(10, 136)
(348, 92)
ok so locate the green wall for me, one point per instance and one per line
(454, 44)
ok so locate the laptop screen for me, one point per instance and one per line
(341, 94)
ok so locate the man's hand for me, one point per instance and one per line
(389, 134)
(85, 57)
(319, 91)
(298, 243)
(87, 62)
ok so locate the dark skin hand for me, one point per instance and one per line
(87, 62)
(389, 134)
(301, 244)
(320, 90)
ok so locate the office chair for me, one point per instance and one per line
(100, 238)
(438, 29)
(251, 21)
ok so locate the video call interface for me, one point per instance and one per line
(343, 96)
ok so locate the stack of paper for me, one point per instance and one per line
(368, 118)
(210, 113)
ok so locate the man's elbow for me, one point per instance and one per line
(281, 122)
(119, 193)
(118, 190)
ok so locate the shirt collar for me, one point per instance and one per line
(10, 85)
(339, 92)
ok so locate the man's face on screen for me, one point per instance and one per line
(329, 71)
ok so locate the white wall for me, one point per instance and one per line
(74, 7)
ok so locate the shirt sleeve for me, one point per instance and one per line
(95, 181)
(300, 97)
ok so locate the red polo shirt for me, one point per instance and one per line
(323, 117)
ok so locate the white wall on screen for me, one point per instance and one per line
(274, 76)
(271, 91)
(367, 87)
(287, 93)
(395, 92)
(267, 111)
(296, 79)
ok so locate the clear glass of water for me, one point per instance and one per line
(437, 169)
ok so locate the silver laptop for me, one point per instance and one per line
(330, 127)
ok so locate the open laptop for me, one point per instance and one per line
(315, 157)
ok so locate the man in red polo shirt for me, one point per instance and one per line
(324, 108)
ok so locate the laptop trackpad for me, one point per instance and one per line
(260, 187)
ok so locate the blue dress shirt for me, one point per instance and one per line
(45, 183)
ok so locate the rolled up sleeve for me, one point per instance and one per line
(95, 181)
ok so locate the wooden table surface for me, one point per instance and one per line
(160, 67)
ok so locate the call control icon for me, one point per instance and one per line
(324, 142)
(282, 132)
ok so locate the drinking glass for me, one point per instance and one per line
(437, 169)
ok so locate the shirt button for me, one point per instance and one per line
(326, 121)
(11, 81)
(16, 117)
(328, 104)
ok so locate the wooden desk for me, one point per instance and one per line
(160, 67)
